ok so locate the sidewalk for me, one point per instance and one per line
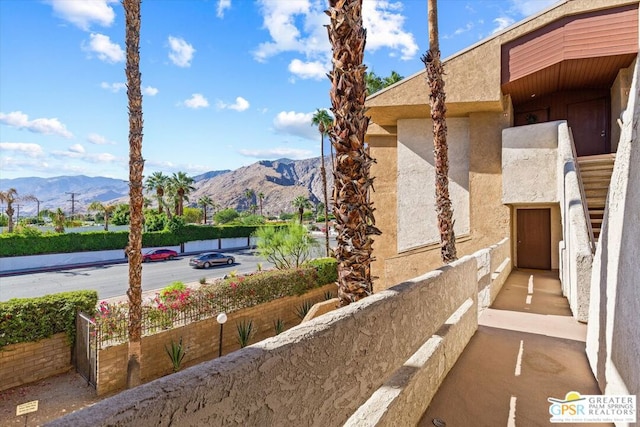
(527, 348)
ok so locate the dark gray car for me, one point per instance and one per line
(208, 259)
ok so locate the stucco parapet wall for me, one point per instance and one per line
(575, 271)
(318, 373)
(529, 164)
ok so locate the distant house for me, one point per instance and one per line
(536, 115)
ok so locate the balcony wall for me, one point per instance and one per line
(375, 362)
(613, 334)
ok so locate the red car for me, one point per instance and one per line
(159, 254)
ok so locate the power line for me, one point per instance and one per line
(73, 203)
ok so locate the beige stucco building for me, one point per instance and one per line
(535, 115)
(571, 62)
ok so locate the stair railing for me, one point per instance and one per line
(583, 196)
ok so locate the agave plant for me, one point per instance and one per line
(245, 332)
(176, 353)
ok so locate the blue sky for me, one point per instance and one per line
(226, 82)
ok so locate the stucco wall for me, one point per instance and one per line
(529, 164)
(620, 91)
(322, 371)
(576, 249)
(613, 333)
(384, 199)
(417, 220)
(488, 219)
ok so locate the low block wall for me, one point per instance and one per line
(27, 362)
(378, 361)
(200, 339)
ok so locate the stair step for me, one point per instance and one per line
(597, 157)
(596, 212)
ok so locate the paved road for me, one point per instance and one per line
(111, 280)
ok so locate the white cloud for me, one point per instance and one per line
(502, 23)
(46, 126)
(151, 91)
(384, 22)
(298, 124)
(83, 13)
(77, 152)
(278, 153)
(309, 70)
(113, 87)
(299, 27)
(241, 104)
(222, 5)
(279, 18)
(26, 148)
(96, 139)
(104, 48)
(196, 101)
(181, 52)
(77, 148)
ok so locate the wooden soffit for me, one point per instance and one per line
(580, 51)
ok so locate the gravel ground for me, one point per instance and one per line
(56, 396)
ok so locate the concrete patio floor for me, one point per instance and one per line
(527, 348)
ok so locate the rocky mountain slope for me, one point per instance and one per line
(280, 181)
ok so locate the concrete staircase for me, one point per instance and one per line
(595, 172)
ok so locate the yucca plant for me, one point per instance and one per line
(328, 295)
(176, 354)
(303, 309)
(278, 326)
(245, 332)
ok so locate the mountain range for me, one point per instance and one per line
(280, 181)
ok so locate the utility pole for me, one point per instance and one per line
(73, 203)
(17, 213)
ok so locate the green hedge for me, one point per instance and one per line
(33, 319)
(21, 245)
(250, 290)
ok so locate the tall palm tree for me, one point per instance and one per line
(301, 203)
(205, 202)
(157, 182)
(136, 199)
(106, 210)
(249, 195)
(352, 208)
(435, 71)
(323, 121)
(10, 197)
(261, 198)
(181, 186)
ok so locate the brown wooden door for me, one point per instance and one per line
(588, 123)
(534, 238)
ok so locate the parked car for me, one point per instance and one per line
(208, 259)
(159, 254)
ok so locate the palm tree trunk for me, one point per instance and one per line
(136, 166)
(353, 211)
(438, 111)
(9, 212)
(323, 172)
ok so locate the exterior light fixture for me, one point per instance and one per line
(221, 319)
